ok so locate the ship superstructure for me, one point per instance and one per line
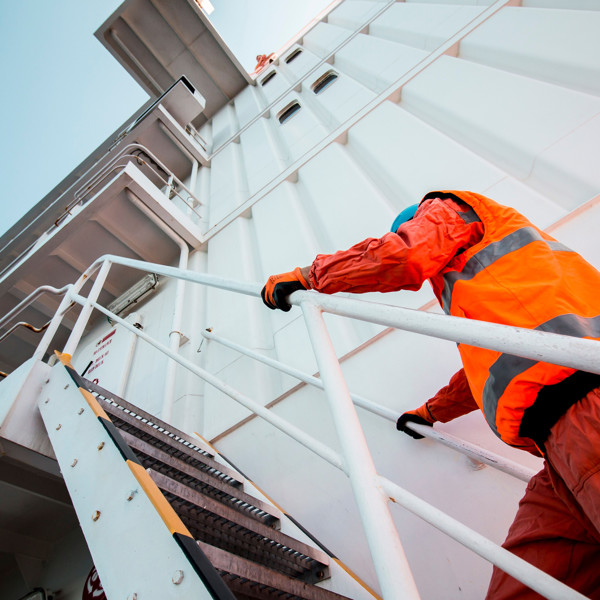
(178, 409)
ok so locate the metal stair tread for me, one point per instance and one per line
(159, 437)
(220, 491)
(108, 397)
(256, 581)
(239, 532)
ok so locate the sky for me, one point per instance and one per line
(64, 93)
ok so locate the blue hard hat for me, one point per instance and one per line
(406, 215)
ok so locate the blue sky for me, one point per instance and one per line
(64, 93)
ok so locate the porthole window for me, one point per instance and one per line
(268, 78)
(288, 112)
(324, 82)
(295, 54)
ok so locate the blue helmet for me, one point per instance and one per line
(406, 215)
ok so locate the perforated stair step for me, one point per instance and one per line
(180, 471)
(142, 425)
(247, 581)
(218, 525)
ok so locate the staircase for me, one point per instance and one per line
(238, 533)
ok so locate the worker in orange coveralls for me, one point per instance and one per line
(262, 60)
(487, 262)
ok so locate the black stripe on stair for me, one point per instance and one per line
(126, 452)
(203, 567)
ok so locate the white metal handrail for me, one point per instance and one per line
(474, 452)
(390, 563)
(128, 153)
(577, 353)
(30, 299)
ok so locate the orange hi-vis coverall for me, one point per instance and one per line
(486, 261)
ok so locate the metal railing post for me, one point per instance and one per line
(86, 311)
(50, 332)
(391, 565)
(42, 347)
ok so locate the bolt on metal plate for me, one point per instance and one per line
(177, 577)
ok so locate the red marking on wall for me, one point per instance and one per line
(106, 337)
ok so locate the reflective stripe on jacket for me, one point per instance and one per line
(516, 275)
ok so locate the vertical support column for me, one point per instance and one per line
(51, 330)
(86, 311)
(175, 336)
(193, 185)
(391, 566)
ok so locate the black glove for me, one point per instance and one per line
(279, 287)
(411, 417)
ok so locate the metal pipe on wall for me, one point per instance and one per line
(44, 289)
(175, 334)
(128, 362)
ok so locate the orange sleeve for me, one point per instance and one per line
(398, 261)
(452, 401)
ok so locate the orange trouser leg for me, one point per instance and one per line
(557, 526)
(573, 450)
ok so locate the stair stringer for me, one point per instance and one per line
(139, 545)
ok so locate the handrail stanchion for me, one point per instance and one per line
(50, 332)
(86, 311)
(391, 565)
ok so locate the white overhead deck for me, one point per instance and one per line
(157, 41)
